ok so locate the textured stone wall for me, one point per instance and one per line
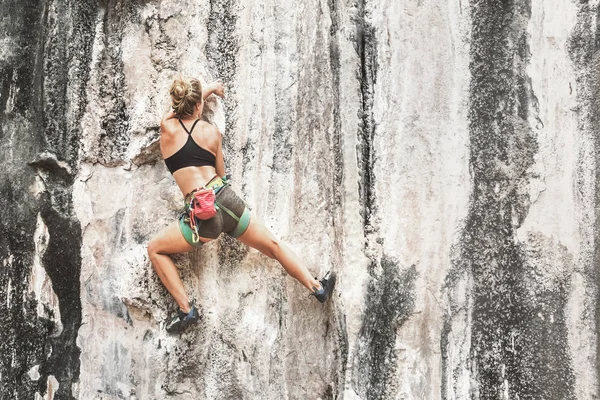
(441, 157)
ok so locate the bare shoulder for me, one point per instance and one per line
(210, 132)
(168, 126)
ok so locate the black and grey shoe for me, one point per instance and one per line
(183, 320)
(327, 284)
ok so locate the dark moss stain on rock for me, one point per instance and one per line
(448, 373)
(328, 395)
(390, 301)
(584, 50)
(335, 193)
(114, 134)
(62, 262)
(48, 71)
(4, 91)
(335, 63)
(390, 298)
(221, 52)
(519, 342)
(56, 62)
(366, 48)
(342, 351)
(22, 334)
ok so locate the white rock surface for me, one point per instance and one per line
(439, 157)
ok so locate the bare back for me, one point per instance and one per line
(173, 137)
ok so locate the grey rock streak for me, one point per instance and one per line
(42, 104)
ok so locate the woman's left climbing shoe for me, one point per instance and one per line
(327, 284)
(183, 320)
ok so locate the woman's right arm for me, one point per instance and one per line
(170, 115)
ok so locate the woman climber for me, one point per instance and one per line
(192, 150)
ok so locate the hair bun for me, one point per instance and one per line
(180, 89)
(185, 94)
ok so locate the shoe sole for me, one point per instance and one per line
(184, 324)
(332, 279)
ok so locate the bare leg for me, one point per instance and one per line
(170, 241)
(260, 237)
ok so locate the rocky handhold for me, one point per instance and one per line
(49, 162)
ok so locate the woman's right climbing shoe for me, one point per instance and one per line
(183, 320)
(327, 284)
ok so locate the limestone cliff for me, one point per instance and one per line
(440, 157)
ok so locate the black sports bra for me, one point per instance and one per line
(190, 155)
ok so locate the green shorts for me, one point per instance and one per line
(234, 225)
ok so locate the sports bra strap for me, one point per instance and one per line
(184, 128)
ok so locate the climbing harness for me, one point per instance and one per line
(203, 204)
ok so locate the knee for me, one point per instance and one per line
(153, 249)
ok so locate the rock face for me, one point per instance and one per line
(440, 157)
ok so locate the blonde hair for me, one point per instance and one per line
(185, 94)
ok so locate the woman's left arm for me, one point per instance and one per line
(220, 162)
(216, 87)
